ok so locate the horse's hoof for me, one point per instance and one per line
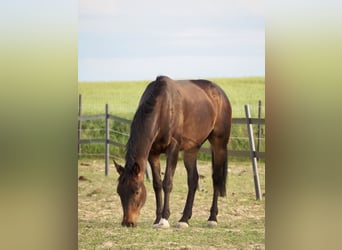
(182, 225)
(163, 223)
(212, 223)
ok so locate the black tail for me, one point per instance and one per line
(220, 174)
(223, 182)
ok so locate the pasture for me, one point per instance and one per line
(123, 97)
(241, 219)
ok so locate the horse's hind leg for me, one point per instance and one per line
(191, 168)
(219, 173)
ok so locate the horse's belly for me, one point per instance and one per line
(194, 134)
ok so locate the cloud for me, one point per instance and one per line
(97, 8)
(138, 8)
(253, 7)
(139, 39)
(116, 15)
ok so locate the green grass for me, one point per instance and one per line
(123, 98)
(241, 219)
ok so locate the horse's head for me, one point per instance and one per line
(132, 192)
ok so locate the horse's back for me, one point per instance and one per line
(198, 105)
(203, 94)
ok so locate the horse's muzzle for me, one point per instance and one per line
(128, 224)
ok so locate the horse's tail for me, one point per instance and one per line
(222, 189)
(223, 182)
(219, 139)
(220, 170)
(220, 152)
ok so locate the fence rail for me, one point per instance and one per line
(203, 149)
(237, 153)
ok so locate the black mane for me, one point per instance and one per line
(140, 124)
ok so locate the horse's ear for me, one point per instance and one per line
(118, 167)
(136, 168)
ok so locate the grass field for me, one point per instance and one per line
(241, 220)
(241, 217)
(123, 97)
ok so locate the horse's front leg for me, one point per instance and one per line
(171, 163)
(190, 159)
(154, 161)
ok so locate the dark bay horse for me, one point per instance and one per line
(174, 116)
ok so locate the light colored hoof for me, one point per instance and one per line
(163, 223)
(182, 225)
(212, 223)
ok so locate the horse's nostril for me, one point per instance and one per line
(128, 224)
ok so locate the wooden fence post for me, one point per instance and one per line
(253, 153)
(259, 129)
(107, 140)
(79, 125)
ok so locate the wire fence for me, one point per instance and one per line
(118, 137)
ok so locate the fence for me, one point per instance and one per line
(253, 153)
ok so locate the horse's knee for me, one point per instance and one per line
(157, 185)
(167, 186)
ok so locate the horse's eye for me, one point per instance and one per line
(135, 192)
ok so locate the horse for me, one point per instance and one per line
(174, 116)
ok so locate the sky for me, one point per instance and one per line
(138, 40)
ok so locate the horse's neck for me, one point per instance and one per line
(144, 146)
(142, 138)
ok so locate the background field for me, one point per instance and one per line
(241, 217)
(123, 98)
